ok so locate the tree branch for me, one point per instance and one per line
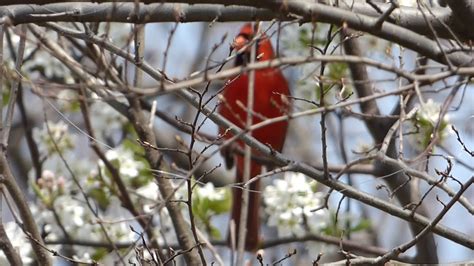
(25, 213)
(426, 249)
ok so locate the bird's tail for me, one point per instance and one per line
(253, 218)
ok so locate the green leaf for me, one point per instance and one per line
(6, 96)
(314, 186)
(43, 198)
(199, 208)
(304, 37)
(214, 232)
(73, 106)
(363, 224)
(99, 253)
(221, 206)
(337, 71)
(100, 196)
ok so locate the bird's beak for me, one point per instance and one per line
(239, 42)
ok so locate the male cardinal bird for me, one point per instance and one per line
(269, 94)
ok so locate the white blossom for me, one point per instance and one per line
(71, 212)
(65, 98)
(128, 166)
(210, 192)
(105, 119)
(79, 223)
(148, 191)
(430, 112)
(58, 134)
(289, 204)
(427, 120)
(44, 62)
(19, 242)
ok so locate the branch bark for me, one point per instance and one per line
(426, 247)
(6, 246)
(154, 158)
(463, 12)
(26, 216)
(442, 20)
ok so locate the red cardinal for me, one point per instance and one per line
(269, 93)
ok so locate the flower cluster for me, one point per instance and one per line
(63, 213)
(209, 201)
(48, 187)
(426, 122)
(430, 112)
(105, 120)
(124, 159)
(65, 210)
(290, 203)
(37, 60)
(53, 138)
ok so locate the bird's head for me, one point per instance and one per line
(246, 34)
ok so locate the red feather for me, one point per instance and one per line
(270, 86)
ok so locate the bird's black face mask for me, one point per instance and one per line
(244, 57)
